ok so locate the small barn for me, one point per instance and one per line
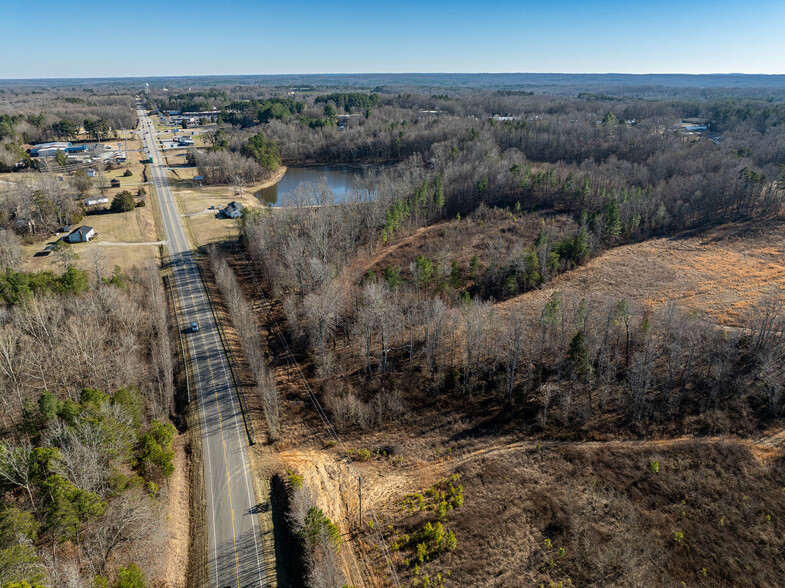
(115, 183)
(81, 235)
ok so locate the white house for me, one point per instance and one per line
(93, 200)
(81, 235)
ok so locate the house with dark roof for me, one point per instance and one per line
(233, 210)
(81, 235)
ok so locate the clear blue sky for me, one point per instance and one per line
(110, 38)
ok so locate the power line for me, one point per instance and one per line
(322, 415)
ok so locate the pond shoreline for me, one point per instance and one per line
(339, 179)
(277, 177)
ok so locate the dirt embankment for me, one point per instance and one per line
(277, 176)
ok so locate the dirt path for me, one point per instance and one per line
(762, 448)
(772, 439)
(129, 243)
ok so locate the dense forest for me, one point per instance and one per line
(567, 179)
(86, 450)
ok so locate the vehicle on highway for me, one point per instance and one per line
(194, 327)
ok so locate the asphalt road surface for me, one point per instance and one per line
(235, 549)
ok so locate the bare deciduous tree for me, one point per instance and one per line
(128, 521)
(15, 464)
(271, 402)
(97, 258)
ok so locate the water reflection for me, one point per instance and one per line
(338, 178)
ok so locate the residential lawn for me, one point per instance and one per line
(205, 228)
(136, 226)
(201, 222)
(125, 256)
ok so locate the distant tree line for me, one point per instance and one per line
(350, 101)
(250, 112)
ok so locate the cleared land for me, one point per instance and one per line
(722, 273)
(203, 223)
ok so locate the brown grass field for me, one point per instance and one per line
(201, 221)
(194, 202)
(126, 239)
(721, 274)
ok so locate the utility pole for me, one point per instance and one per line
(360, 490)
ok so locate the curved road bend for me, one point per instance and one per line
(235, 550)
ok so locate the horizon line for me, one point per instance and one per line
(435, 73)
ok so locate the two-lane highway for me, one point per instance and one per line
(235, 549)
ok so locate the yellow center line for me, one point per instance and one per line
(223, 442)
(210, 367)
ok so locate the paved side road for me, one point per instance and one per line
(235, 549)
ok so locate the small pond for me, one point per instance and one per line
(338, 177)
